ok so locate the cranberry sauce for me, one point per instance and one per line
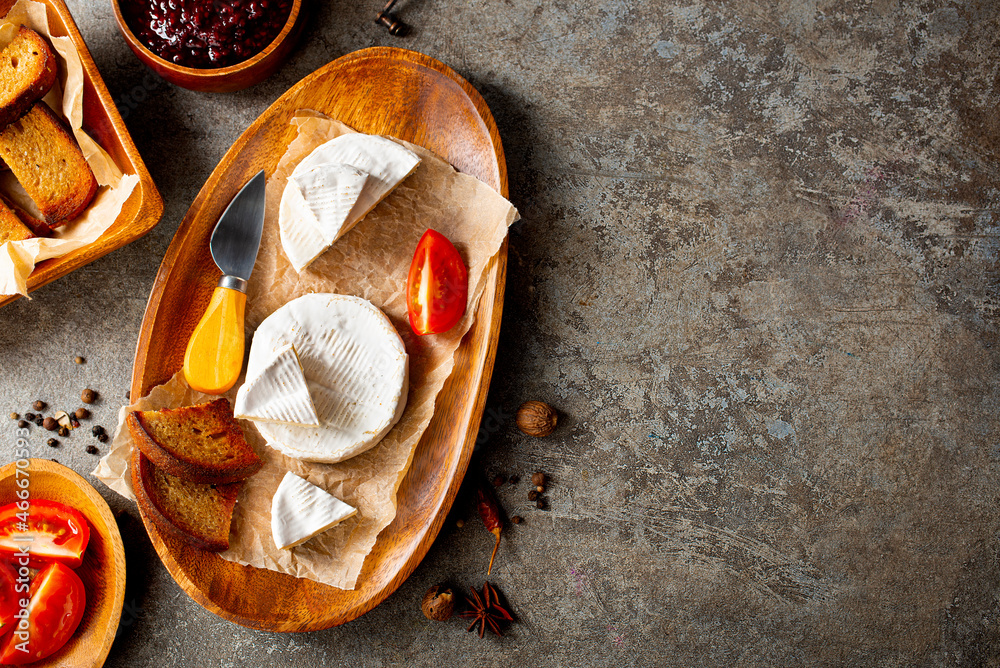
(206, 33)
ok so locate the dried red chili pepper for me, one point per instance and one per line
(492, 516)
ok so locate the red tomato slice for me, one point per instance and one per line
(437, 286)
(57, 532)
(8, 595)
(54, 611)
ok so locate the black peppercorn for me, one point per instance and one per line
(97, 430)
(103, 438)
(39, 405)
(92, 450)
(541, 504)
(39, 420)
(499, 480)
(30, 417)
(64, 432)
(533, 495)
(52, 442)
(514, 479)
(538, 479)
(517, 519)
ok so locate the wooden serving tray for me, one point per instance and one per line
(381, 91)
(104, 124)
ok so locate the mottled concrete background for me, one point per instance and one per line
(757, 274)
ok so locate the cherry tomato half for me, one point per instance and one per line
(57, 532)
(57, 601)
(437, 286)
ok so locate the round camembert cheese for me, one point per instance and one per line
(355, 367)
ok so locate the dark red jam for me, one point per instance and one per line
(206, 33)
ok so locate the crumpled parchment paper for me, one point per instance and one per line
(370, 261)
(18, 258)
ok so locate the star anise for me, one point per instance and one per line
(487, 611)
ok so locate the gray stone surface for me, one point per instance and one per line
(757, 274)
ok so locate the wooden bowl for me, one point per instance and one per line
(104, 124)
(103, 568)
(220, 79)
(380, 91)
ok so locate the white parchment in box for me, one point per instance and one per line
(370, 261)
(18, 258)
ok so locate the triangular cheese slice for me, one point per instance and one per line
(331, 190)
(385, 162)
(300, 510)
(314, 210)
(300, 236)
(279, 393)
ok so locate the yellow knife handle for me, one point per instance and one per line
(214, 356)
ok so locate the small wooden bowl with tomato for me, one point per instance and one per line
(76, 564)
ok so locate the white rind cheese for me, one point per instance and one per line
(307, 217)
(279, 393)
(385, 162)
(355, 366)
(301, 510)
(314, 210)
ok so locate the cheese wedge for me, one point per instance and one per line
(278, 393)
(301, 510)
(355, 366)
(385, 162)
(314, 210)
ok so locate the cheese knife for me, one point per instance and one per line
(214, 356)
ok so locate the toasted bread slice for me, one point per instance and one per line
(46, 160)
(196, 513)
(11, 227)
(38, 227)
(27, 72)
(198, 443)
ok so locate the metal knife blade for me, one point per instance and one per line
(236, 238)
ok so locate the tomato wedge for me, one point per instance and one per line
(57, 532)
(8, 595)
(437, 286)
(57, 601)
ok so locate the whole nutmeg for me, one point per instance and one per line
(536, 418)
(439, 603)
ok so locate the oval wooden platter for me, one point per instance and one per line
(101, 120)
(103, 567)
(381, 91)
